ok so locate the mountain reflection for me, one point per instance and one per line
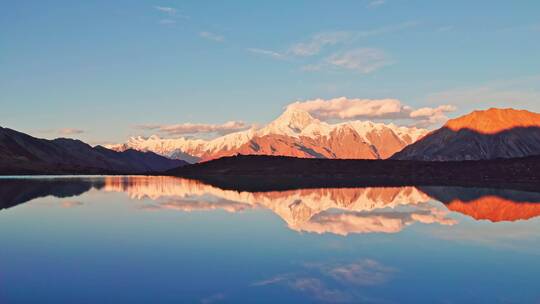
(330, 210)
(495, 205)
(339, 211)
(20, 190)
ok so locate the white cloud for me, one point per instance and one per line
(264, 52)
(218, 297)
(365, 272)
(192, 205)
(212, 36)
(71, 204)
(317, 42)
(70, 131)
(319, 291)
(363, 60)
(347, 108)
(198, 128)
(334, 282)
(376, 3)
(167, 10)
(446, 28)
(428, 116)
(356, 108)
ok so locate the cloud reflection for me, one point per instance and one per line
(336, 283)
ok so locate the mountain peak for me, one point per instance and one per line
(295, 119)
(495, 120)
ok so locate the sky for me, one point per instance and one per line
(102, 71)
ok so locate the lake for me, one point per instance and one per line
(121, 239)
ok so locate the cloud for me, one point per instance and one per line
(364, 272)
(376, 3)
(71, 204)
(70, 131)
(356, 108)
(318, 41)
(167, 10)
(315, 280)
(318, 290)
(191, 205)
(270, 281)
(264, 52)
(446, 28)
(312, 286)
(198, 128)
(429, 116)
(345, 223)
(213, 298)
(363, 60)
(347, 108)
(212, 36)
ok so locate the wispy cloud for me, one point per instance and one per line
(334, 44)
(363, 60)
(366, 272)
(71, 204)
(170, 14)
(318, 41)
(198, 128)
(356, 108)
(446, 28)
(70, 131)
(212, 36)
(167, 21)
(315, 280)
(376, 3)
(213, 298)
(264, 52)
(167, 10)
(191, 205)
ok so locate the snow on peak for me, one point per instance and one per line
(292, 122)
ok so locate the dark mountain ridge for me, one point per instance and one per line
(23, 154)
(267, 173)
(17, 191)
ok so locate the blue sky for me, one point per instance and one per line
(96, 70)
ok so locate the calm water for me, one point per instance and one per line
(170, 240)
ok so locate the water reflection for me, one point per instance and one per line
(495, 205)
(339, 211)
(195, 243)
(18, 190)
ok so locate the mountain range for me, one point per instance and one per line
(481, 135)
(490, 134)
(294, 133)
(23, 154)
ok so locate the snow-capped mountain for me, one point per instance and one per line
(294, 133)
